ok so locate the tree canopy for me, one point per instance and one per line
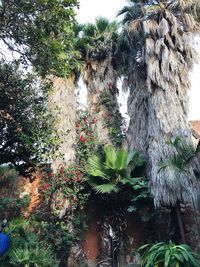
(36, 35)
(41, 32)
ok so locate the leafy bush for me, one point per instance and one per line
(7, 173)
(33, 257)
(64, 186)
(27, 249)
(168, 255)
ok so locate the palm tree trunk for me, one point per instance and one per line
(156, 116)
(100, 79)
(63, 105)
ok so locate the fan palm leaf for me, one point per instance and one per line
(96, 168)
(106, 174)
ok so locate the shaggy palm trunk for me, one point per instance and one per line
(63, 104)
(100, 79)
(159, 108)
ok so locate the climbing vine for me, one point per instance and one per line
(112, 117)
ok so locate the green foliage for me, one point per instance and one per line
(7, 173)
(41, 32)
(67, 185)
(57, 234)
(141, 196)
(33, 257)
(113, 118)
(181, 159)
(167, 255)
(27, 249)
(14, 204)
(109, 172)
(26, 127)
(97, 41)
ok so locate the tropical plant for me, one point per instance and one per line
(27, 249)
(97, 41)
(33, 257)
(181, 160)
(159, 58)
(109, 172)
(62, 103)
(98, 48)
(168, 255)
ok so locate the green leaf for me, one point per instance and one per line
(167, 258)
(106, 188)
(121, 158)
(132, 208)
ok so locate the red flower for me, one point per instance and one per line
(45, 187)
(82, 139)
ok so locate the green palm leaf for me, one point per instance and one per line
(96, 168)
(108, 173)
(110, 157)
(106, 188)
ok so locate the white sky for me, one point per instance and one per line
(90, 9)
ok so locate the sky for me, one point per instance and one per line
(90, 9)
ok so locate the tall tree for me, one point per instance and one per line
(41, 33)
(160, 56)
(98, 47)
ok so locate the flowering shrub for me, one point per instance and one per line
(87, 141)
(65, 187)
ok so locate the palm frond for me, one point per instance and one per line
(106, 188)
(135, 159)
(106, 174)
(121, 159)
(101, 24)
(110, 156)
(96, 168)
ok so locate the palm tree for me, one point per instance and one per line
(159, 34)
(184, 158)
(98, 46)
(109, 175)
(63, 104)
